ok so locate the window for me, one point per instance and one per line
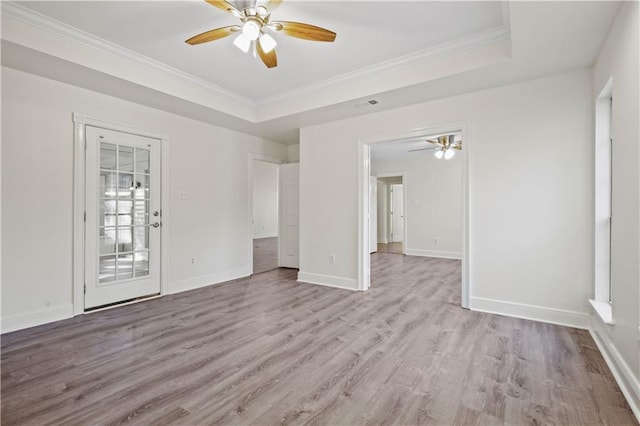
(603, 204)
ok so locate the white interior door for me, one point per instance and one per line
(289, 215)
(397, 214)
(123, 218)
(373, 214)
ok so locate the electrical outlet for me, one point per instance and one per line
(436, 240)
(332, 259)
(193, 260)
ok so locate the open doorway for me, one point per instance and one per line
(434, 199)
(390, 213)
(265, 216)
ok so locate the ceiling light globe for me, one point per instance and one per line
(448, 155)
(439, 154)
(267, 43)
(251, 30)
(242, 42)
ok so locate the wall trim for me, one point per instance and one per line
(486, 37)
(328, 281)
(629, 384)
(46, 23)
(531, 312)
(207, 280)
(434, 253)
(34, 318)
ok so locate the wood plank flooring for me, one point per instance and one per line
(395, 248)
(265, 254)
(268, 350)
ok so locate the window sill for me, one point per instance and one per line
(604, 311)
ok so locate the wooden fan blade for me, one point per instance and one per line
(216, 34)
(221, 4)
(458, 147)
(433, 142)
(270, 59)
(305, 31)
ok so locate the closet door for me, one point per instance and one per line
(289, 216)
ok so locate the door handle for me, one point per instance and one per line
(155, 224)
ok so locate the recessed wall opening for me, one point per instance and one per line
(413, 199)
(388, 207)
(603, 212)
(265, 216)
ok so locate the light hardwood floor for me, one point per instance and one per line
(395, 248)
(268, 350)
(265, 254)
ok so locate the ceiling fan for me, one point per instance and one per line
(445, 146)
(256, 23)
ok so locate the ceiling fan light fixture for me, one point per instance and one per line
(267, 43)
(261, 11)
(439, 154)
(449, 153)
(251, 29)
(242, 42)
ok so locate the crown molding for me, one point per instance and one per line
(502, 32)
(43, 22)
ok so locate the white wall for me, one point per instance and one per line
(293, 154)
(529, 188)
(265, 199)
(434, 202)
(619, 59)
(211, 225)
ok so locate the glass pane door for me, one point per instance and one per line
(123, 227)
(122, 259)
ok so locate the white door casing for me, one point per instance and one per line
(289, 215)
(373, 214)
(363, 167)
(123, 217)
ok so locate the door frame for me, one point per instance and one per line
(267, 159)
(364, 171)
(80, 121)
(403, 175)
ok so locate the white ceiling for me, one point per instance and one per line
(399, 53)
(404, 148)
(369, 33)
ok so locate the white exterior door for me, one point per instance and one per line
(289, 215)
(123, 218)
(397, 214)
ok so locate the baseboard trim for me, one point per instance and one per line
(531, 312)
(328, 281)
(260, 236)
(207, 280)
(434, 253)
(35, 318)
(629, 384)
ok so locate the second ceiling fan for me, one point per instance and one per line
(256, 21)
(445, 146)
